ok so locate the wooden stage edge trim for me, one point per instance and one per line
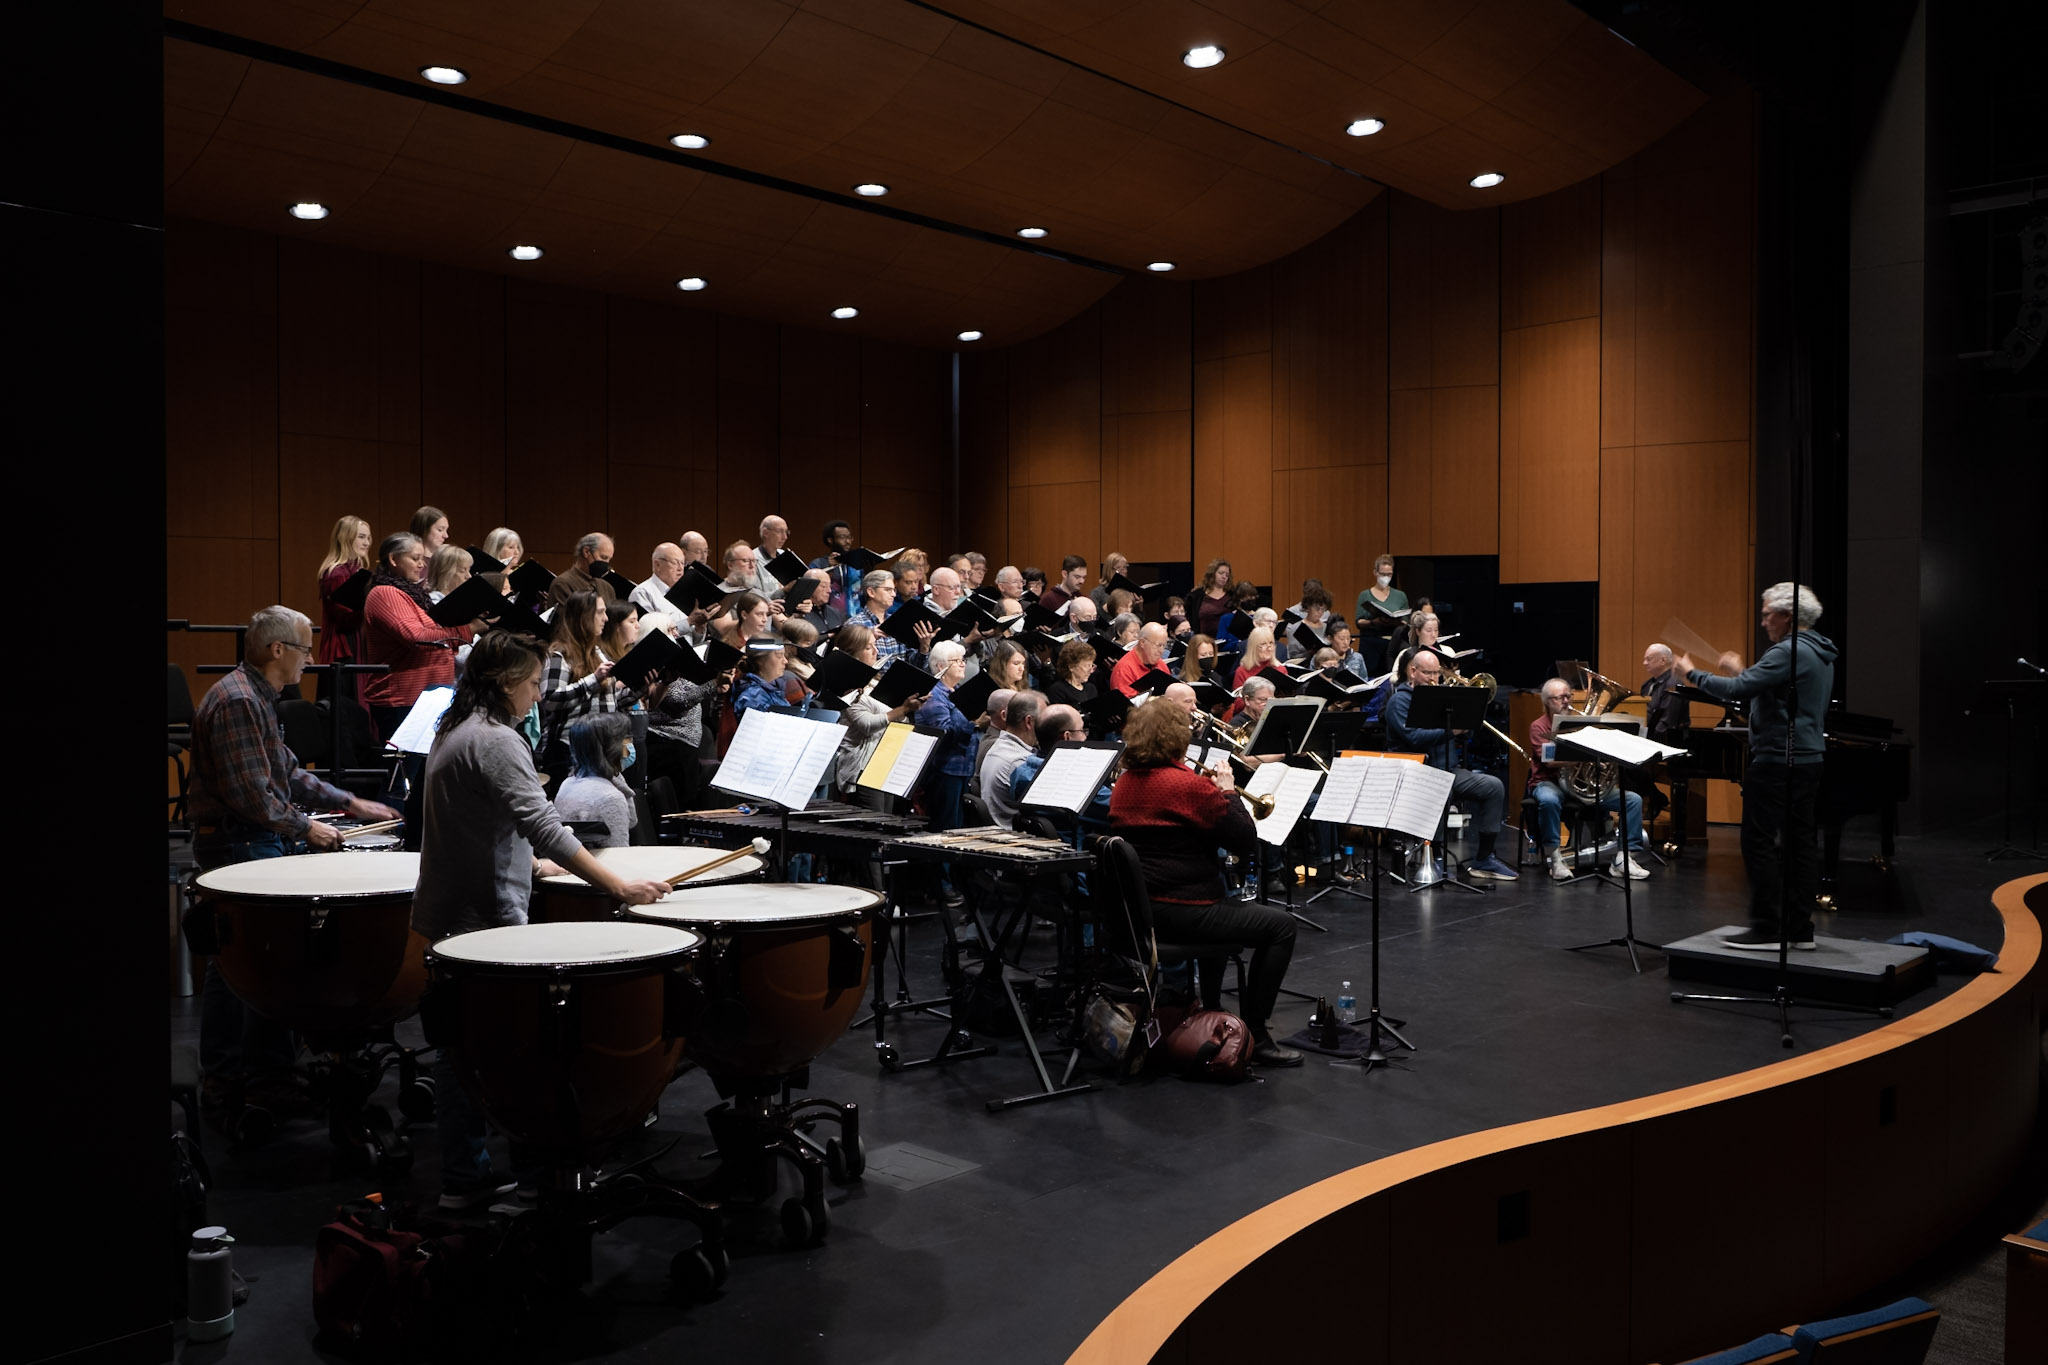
(1144, 1324)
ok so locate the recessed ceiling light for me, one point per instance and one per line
(1034, 233)
(870, 190)
(691, 142)
(1364, 127)
(1207, 55)
(1160, 267)
(525, 253)
(690, 284)
(970, 336)
(445, 75)
(844, 313)
(1487, 180)
(309, 211)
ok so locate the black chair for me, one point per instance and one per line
(1123, 877)
(178, 702)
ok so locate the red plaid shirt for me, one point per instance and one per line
(241, 769)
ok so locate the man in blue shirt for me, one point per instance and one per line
(1479, 794)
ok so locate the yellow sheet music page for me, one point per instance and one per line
(886, 750)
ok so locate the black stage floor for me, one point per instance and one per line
(1047, 1216)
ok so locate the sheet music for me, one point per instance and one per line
(1420, 794)
(1618, 744)
(1385, 793)
(779, 758)
(898, 760)
(415, 734)
(1290, 789)
(1340, 792)
(1070, 778)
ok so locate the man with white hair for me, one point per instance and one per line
(651, 593)
(1010, 583)
(586, 574)
(1787, 689)
(1081, 615)
(1546, 785)
(245, 800)
(772, 536)
(1143, 657)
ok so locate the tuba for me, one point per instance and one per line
(1586, 780)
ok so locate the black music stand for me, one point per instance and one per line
(1447, 708)
(2009, 695)
(1564, 740)
(1333, 732)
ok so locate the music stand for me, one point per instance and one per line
(1570, 739)
(779, 758)
(1333, 732)
(2008, 695)
(1447, 708)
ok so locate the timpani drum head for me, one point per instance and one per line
(576, 943)
(767, 905)
(373, 843)
(659, 862)
(316, 876)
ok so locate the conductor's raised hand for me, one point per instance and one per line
(1682, 662)
(1731, 664)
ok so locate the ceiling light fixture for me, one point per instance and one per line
(844, 313)
(445, 75)
(525, 253)
(1364, 127)
(870, 190)
(1034, 233)
(970, 336)
(309, 211)
(690, 284)
(1203, 57)
(1486, 180)
(1160, 267)
(691, 142)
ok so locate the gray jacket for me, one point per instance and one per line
(1767, 686)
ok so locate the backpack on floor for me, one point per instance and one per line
(377, 1287)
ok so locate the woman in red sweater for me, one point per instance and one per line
(348, 553)
(397, 631)
(1178, 820)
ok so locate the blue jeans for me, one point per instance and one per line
(237, 1044)
(1550, 814)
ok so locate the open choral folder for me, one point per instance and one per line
(1290, 789)
(778, 757)
(415, 734)
(1072, 776)
(1383, 792)
(899, 759)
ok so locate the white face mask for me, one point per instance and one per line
(1386, 580)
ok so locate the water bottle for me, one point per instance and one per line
(1347, 1005)
(209, 1285)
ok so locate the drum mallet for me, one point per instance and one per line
(755, 849)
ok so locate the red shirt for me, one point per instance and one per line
(1177, 820)
(1124, 677)
(338, 624)
(1541, 731)
(1055, 597)
(398, 632)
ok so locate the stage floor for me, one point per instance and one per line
(1006, 1237)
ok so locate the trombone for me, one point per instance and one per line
(1262, 805)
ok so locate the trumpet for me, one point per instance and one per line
(1262, 806)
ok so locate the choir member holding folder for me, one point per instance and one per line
(399, 632)
(341, 619)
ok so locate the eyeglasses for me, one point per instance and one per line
(307, 649)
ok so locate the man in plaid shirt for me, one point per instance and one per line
(878, 596)
(245, 796)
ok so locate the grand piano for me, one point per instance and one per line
(1867, 772)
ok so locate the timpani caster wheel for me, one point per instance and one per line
(845, 1161)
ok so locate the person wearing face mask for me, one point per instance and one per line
(1374, 624)
(593, 557)
(595, 792)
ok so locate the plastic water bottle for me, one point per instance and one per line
(209, 1285)
(1347, 1005)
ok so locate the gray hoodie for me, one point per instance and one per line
(1766, 684)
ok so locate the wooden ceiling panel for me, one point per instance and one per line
(1500, 41)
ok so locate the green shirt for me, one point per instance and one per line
(1397, 601)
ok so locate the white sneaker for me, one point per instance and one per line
(1560, 870)
(1636, 871)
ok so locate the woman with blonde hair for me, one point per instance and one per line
(447, 570)
(348, 554)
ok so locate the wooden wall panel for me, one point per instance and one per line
(555, 476)
(462, 401)
(906, 457)
(1443, 295)
(1550, 453)
(1617, 312)
(1410, 499)
(1233, 463)
(1233, 315)
(220, 422)
(1464, 468)
(1687, 505)
(1328, 524)
(1550, 258)
(1056, 408)
(748, 406)
(1051, 520)
(1693, 356)
(327, 356)
(985, 456)
(821, 433)
(1146, 334)
(1147, 496)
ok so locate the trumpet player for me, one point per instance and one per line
(1176, 820)
(1546, 785)
(1480, 794)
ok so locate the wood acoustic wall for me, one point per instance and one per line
(1564, 383)
(307, 382)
